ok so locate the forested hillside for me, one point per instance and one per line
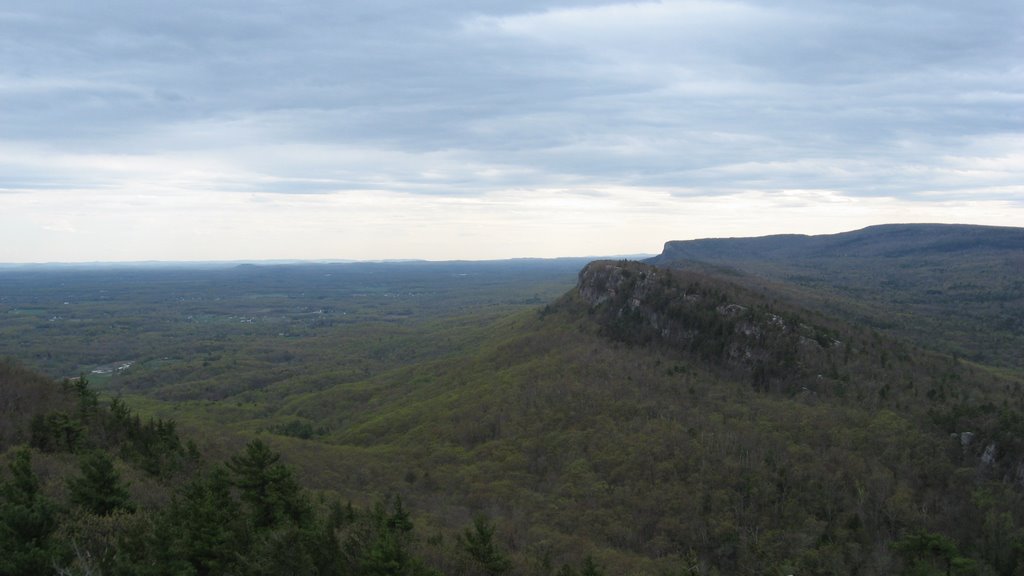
(647, 421)
(92, 489)
(954, 288)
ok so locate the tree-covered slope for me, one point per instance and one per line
(665, 421)
(93, 489)
(650, 421)
(954, 288)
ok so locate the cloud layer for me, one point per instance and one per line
(495, 129)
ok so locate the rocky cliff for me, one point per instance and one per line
(698, 315)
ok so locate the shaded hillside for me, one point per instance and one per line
(954, 288)
(24, 393)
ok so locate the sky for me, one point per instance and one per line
(301, 129)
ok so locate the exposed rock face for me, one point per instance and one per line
(988, 457)
(600, 282)
(642, 304)
(965, 439)
(633, 291)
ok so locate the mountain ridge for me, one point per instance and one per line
(877, 240)
(957, 289)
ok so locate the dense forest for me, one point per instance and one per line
(692, 417)
(116, 495)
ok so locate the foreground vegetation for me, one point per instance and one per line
(247, 515)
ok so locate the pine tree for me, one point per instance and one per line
(99, 489)
(27, 520)
(379, 542)
(478, 541)
(266, 486)
(590, 567)
(204, 524)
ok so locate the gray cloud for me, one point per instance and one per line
(863, 98)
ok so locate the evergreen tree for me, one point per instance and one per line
(324, 538)
(378, 542)
(925, 553)
(99, 489)
(478, 542)
(590, 567)
(88, 399)
(56, 432)
(267, 486)
(27, 520)
(204, 525)
(285, 548)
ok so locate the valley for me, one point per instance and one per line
(844, 405)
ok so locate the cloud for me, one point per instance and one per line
(379, 224)
(447, 107)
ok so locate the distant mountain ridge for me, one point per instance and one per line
(886, 240)
(951, 287)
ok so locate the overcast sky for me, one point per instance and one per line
(211, 130)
